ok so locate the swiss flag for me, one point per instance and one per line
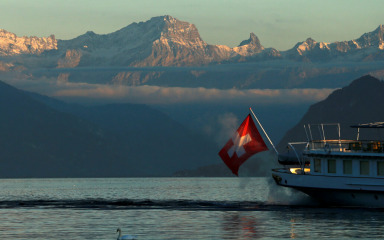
(245, 142)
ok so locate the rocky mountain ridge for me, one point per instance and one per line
(165, 51)
(360, 48)
(12, 45)
(167, 41)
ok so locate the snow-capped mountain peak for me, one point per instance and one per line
(253, 40)
(307, 45)
(181, 32)
(250, 46)
(11, 45)
(167, 41)
(372, 39)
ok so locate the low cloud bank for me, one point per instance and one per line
(154, 95)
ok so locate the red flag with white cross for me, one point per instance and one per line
(246, 142)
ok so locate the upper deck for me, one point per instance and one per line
(322, 156)
(320, 144)
(352, 148)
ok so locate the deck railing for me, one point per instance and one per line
(347, 146)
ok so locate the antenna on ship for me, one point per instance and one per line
(265, 133)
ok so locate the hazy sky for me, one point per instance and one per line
(277, 23)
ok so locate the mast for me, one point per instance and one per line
(265, 133)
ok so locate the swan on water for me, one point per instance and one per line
(124, 237)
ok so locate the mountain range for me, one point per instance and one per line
(165, 51)
(44, 137)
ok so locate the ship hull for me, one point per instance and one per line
(335, 190)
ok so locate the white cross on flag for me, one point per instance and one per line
(245, 142)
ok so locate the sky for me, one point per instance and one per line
(277, 23)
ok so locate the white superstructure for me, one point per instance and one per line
(336, 171)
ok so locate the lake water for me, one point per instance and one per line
(173, 208)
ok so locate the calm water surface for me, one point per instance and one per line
(173, 208)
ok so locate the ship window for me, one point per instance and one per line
(347, 166)
(331, 166)
(364, 168)
(317, 165)
(380, 168)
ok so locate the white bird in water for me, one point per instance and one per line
(125, 237)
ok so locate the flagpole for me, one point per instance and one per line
(265, 133)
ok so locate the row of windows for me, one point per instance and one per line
(347, 167)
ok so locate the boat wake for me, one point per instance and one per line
(193, 205)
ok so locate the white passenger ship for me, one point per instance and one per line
(335, 171)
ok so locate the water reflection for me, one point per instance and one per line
(339, 223)
(303, 223)
(239, 226)
(293, 233)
